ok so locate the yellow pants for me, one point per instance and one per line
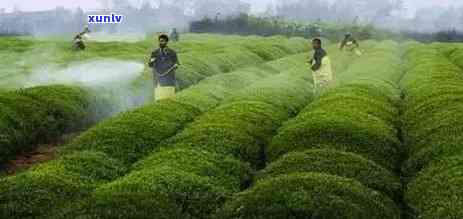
(351, 47)
(323, 77)
(161, 93)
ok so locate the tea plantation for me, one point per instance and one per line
(245, 136)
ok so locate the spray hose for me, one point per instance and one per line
(168, 71)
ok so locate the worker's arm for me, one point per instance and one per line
(356, 43)
(81, 34)
(78, 36)
(153, 58)
(318, 61)
(317, 65)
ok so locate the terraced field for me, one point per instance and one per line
(246, 138)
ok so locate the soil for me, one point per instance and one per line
(41, 154)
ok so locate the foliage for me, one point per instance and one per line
(249, 25)
(45, 190)
(299, 195)
(127, 138)
(432, 130)
(348, 165)
(358, 115)
(203, 165)
(40, 114)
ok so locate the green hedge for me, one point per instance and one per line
(213, 90)
(184, 184)
(381, 69)
(202, 42)
(250, 118)
(363, 98)
(343, 130)
(336, 163)
(213, 165)
(72, 107)
(309, 195)
(36, 115)
(275, 90)
(350, 132)
(348, 118)
(46, 189)
(178, 183)
(433, 131)
(358, 115)
(241, 130)
(194, 180)
(431, 107)
(129, 136)
(196, 66)
(436, 191)
(130, 140)
(271, 48)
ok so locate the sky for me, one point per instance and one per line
(258, 5)
(412, 5)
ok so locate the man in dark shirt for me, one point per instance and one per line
(321, 66)
(164, 62)
(319, 53)
(78, 42)
(351, 44)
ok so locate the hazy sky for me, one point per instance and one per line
(258, 5)
(412, 5)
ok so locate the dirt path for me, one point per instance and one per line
(41, 154)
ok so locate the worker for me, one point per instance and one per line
(351, 44)
(320, 66)
(164, 62)
(78, 42)
(174, 35)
